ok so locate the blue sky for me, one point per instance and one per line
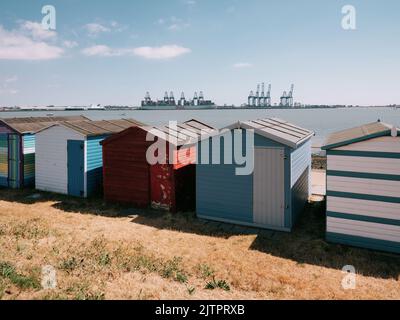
(113, 52)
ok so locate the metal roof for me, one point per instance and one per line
(95, 128)
(188, 132)
(35, 124)
(357, 134)
(277, 130)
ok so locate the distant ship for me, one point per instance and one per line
(169, 103)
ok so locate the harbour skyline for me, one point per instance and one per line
(103, 55)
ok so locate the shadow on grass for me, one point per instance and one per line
(305, 244)
(93, 205)
(183, 221)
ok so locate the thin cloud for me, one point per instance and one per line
(36, 31)
(190, 2)
(105, 51)
(5, 88)
(94, 29)
(163, 52)
(70, 44)
(17, 45)
(153, 53)
(11, 79)
(8, 91)
(241, 65)
(173, 23)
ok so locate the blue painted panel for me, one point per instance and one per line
(260, 141)
(363, 175)
(362, 196)
(300, 195)
(29, 143)
(76, 167)
(300, 160)
(363, 242)
(369, 154)
(220, 193)
(94, 162)
(3, 182)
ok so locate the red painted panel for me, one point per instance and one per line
(129, 178)
(126, 173)
(162, 187)
(184, 156)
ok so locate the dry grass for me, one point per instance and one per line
(103, 251)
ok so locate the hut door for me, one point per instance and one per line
(75, 156)
(268, 187)
(13, 161)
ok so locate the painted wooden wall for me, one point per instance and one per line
(363, 194)
(51, 158)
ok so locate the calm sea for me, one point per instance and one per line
(321, 121)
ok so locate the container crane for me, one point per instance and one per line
(290, 96)
(250, 98)
(268, 98)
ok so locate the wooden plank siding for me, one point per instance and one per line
(363, 194)
(51, 165)
(126, 172)
(222, 195)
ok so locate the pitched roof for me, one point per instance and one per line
(183, 133)
(277, 130)
(35, 124)
(357, 134)
(95, 128)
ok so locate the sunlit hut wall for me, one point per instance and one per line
(363, 187)
(272, 195)
(69, 155)
(17, 148)
(130, 178)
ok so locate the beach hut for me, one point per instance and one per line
(17, 148)
(268, 190)
(69, 155)
(363, 187)
(131, 177)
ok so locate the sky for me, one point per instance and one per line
(112, 52)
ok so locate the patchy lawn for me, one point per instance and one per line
(104, 251)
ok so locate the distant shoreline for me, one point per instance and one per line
(177, 109)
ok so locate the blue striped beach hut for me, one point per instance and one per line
(363, 187)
